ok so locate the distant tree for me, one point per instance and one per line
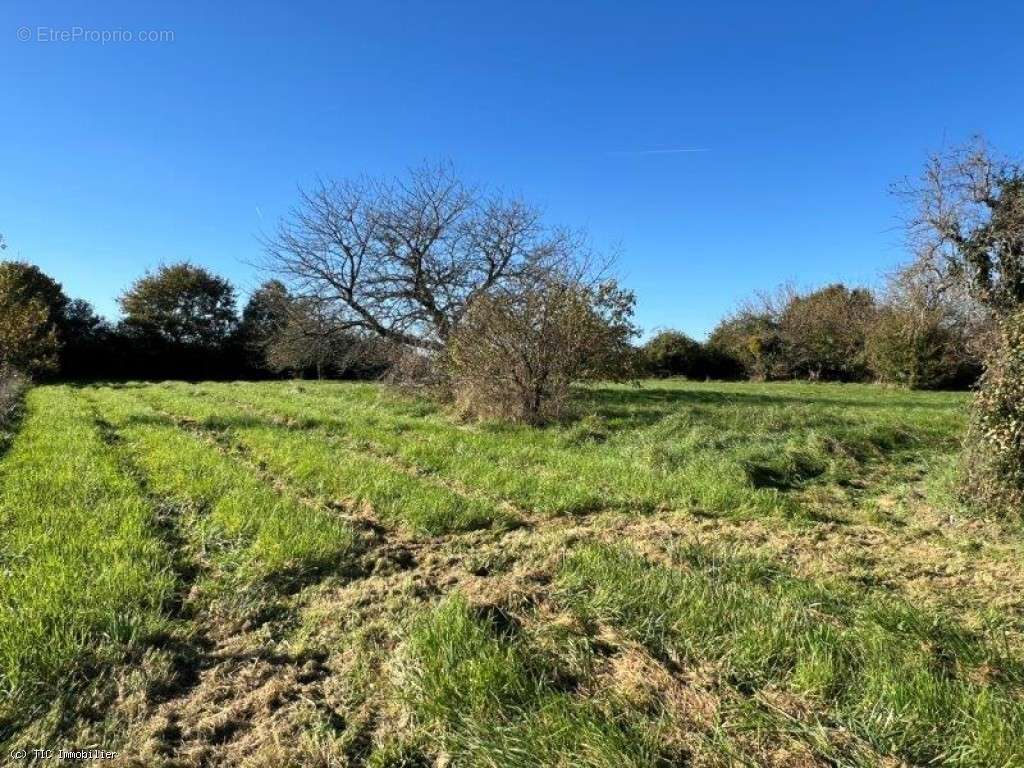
(263, 318)
(927, 334)
(823, 333)
(309, 338)
(673, 353)
(88, 343)
(32, 283)
(405, 259)
(32, 311)
(912, 349)
(518, 350)
(749, 343)
(181, 304)
(967, 224)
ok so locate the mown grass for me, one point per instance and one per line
(507, 595)
(85, 574)
(739, 450)
(486, 702)
(321, 464)
(231, 520)
(911, 683)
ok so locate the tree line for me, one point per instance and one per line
(469, 293)
(180, 321)
(908, 334)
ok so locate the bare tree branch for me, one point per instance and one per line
(404, 259)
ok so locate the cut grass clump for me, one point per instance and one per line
(476, 698)
(910, 683)
(85, 574)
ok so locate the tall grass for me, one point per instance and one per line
(909, 682)
(84, 572)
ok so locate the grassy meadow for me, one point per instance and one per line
(341, 574)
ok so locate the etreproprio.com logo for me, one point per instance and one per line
(77, 34)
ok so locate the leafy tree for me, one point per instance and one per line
(181, 304)
(912, 349)
(927, 334)
(823, 333)
(994, 458)
(673, 353)
(748, 342)
(89, 348)
(263, 318)
(32, 310)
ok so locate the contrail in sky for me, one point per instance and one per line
(680, 151)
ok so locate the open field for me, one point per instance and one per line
(329, 574)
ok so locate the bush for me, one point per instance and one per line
(747, 345)
(12, 390)
(516, 353)
(673, 353)
(994, 459)
(32, 307)
(912, 349)
(823, 333)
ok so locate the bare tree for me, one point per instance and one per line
(404, 259)
(307, 338)
(967, 224)
(968, 227)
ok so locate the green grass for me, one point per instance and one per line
(487, 703)
(323, 465)
(231, 519)
(85, 574)
(903, 679)
(730, 449)
(686, 573)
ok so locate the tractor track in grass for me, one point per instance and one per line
(360, 515)
(424, 474)
(800, 546)
(187, 652)
(210, 682)
(251, 695)
(388, 543)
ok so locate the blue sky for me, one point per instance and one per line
(117, 157)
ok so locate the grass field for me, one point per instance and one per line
(330, 574)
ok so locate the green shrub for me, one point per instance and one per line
(747, 344)
(12, 391)
(673, 353)
(911, 349)
(994, 459)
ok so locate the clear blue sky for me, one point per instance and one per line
(117, 157)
